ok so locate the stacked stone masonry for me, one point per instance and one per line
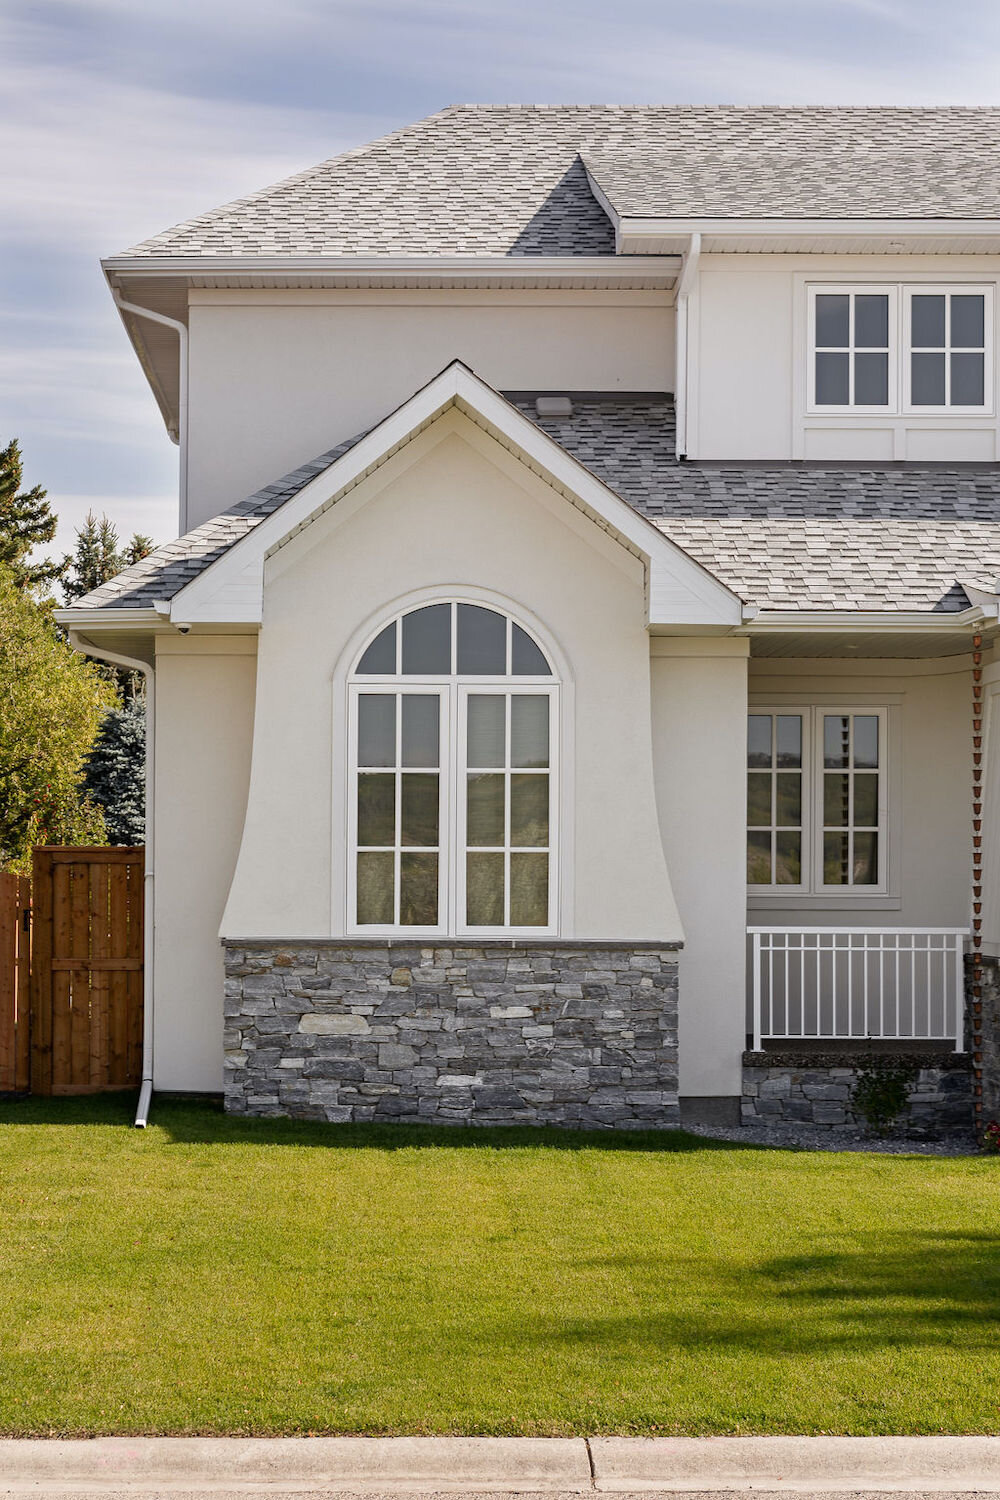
(815, 1089)
(494, 1033)
(990, 1056)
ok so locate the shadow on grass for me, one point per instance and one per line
(205, 1123)
(891, 1289)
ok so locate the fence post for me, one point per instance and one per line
(959, 993)
(756, 992)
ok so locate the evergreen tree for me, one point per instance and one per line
(115, 772)
(51, 705)
(26, 521)
(98, 557)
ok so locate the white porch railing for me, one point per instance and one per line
(834, 983)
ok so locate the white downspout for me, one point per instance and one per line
(182, 416)
(87, 648)
(689, 269)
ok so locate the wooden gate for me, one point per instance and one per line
(86, 970)
(15, 949)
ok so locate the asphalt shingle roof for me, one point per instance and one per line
(510, 179)
(781, 536)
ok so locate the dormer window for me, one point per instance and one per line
(891, 349)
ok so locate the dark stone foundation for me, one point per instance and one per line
(487, 1033)
(814, 1087)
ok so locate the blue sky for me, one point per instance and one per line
(121, 117)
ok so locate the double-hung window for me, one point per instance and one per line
(816, 800)
(920, 349)
(454, 732)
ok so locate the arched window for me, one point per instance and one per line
(453, 731)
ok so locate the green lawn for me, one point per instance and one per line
(216, 1275)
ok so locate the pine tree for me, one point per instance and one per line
(114, 774)
(97, 556)
(26, 521)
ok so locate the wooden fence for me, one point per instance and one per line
(83, 1007)
(15, 950)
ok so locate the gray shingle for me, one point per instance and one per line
(509, 179)
(782, 536)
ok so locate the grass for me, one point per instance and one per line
(215, 1275)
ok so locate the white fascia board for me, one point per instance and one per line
(634, 227)
(605, 202)
(871, 621)
(430, 267)
(681, 591)
(109, 618)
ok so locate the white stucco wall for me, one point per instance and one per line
(204, 725)
(276, 378)
(749, 355)
(452, 508)
(929, 771)
(699, 752)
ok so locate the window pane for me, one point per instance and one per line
(381, 654)
(789, 798)
(529, 890)
(927, 379)
(789, 739)
(484, 890)
(487, 720)
(927, 322)
(529, 730)
(866, 859)
(836, 866)
(759, 740)
(376, 729)
(871, 380)
(418, 813)
(421, 725)
(759, 798)
(788, 859)
(758, 859)
(967, 380)
(418, 890)
(871, 321)
(376, 810)
(482, 641)
(427, 640)
(484, 810)
(527, 659)
(836, 740)
(866, 742)
(832, 375)
(968, 321)
(865, 801)
(832, 325)
(529, 810)
(375, 888)
(835, 800)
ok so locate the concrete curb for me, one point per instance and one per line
(432, 1465)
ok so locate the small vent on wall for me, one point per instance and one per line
(553, 406)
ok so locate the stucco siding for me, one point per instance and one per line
(313, 369)
(451, 510)
(204, 725)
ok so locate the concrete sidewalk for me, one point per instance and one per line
(308, 1467)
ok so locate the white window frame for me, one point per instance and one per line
(453, 688)
(812, 885)
(900, 295)
(936, 289)
(852, 290)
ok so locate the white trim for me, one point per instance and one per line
(347, 268)
(680, 591)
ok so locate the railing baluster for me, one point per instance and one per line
(756, 992)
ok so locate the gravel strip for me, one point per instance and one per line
(791, 1137)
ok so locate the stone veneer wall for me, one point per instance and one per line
(990, 1063)
(485, 1033)
(815, 1088)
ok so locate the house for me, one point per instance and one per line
(570, 690)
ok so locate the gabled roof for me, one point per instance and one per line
(215, 573)
(781, 536)
(509, 179)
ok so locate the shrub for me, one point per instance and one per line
(881, 1093)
